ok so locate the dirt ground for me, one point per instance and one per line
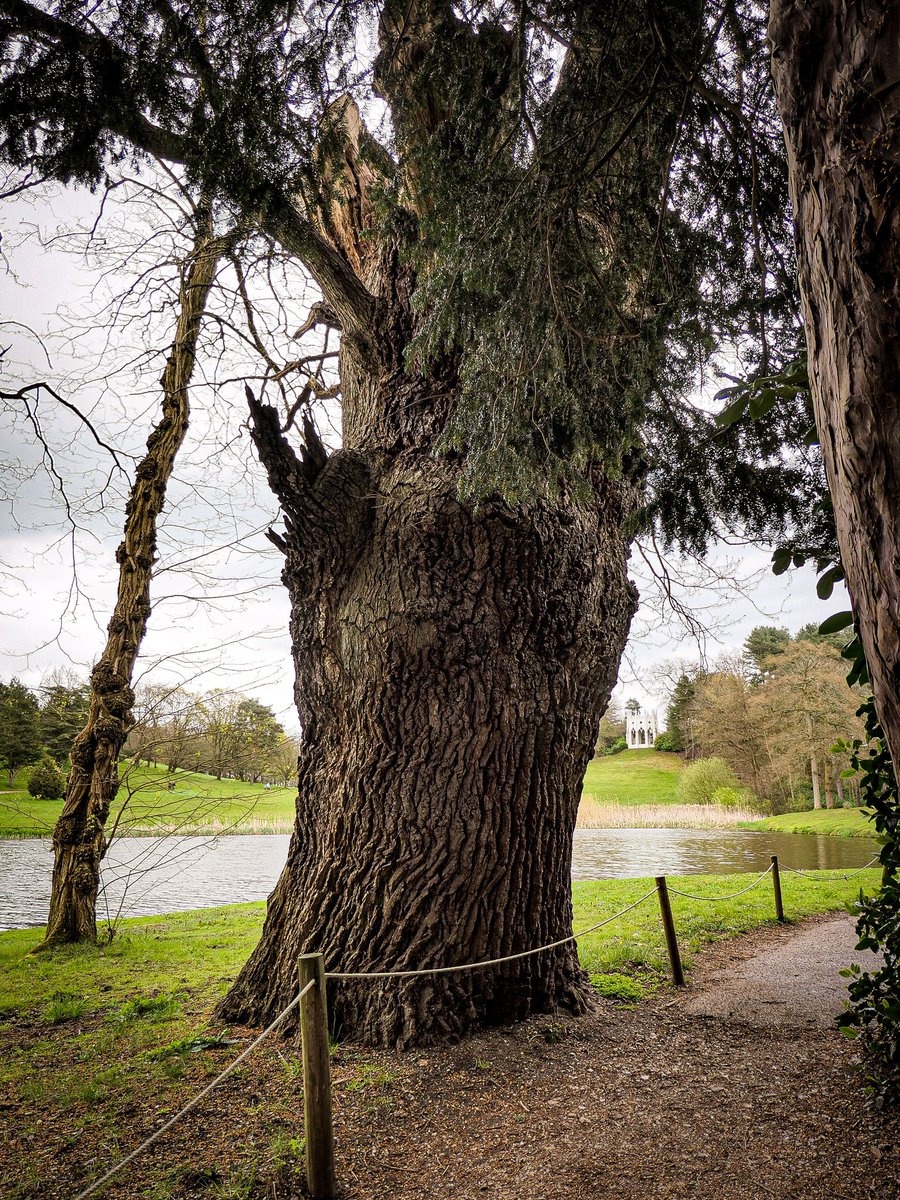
(737, 1088)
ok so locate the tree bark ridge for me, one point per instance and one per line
(837, 77)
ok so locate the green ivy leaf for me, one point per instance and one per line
(825, 585)
(836, 622)
(762, 402)
(733, 412)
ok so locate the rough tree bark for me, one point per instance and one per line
(837, 76)
(79, 841)
(452, 664)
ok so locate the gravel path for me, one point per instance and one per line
(795, 981)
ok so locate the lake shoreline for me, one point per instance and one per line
(155, 876)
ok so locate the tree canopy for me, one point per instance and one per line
(568, 186)
(20, 729)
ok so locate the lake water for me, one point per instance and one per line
(144, 876)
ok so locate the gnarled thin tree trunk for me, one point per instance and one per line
(836, 74)
(78, 839)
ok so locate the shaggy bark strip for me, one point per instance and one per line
(837, 75)
(78, 839)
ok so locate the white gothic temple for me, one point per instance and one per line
(640, 726)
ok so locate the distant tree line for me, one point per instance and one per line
(781, 716)
(220, 733)
(37, 726)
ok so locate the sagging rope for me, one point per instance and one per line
(731, 896)
(489, 962)
(816, 879)
(154, 1137)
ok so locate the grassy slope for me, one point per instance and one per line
(633, 777)
(201, 803)
(839, 822)
(198, 802)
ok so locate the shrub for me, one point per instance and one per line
(873, 1014)
(729, 797)
(616, 747)
(698, 782)
(46, 782)
(666, 741)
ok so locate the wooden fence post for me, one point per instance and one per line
(665, 909)
(317, 1126)
(776, 882)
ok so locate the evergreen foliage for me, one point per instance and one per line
(764, 642)
(63, 715)
(591, 200)
(679, 713)
(20, 733)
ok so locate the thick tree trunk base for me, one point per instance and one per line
(451, 680)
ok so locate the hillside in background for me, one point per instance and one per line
(633, 777)
(196, 804)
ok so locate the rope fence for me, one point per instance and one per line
(319, 1136)
(489, 962)
(749, 888)
(847, 875)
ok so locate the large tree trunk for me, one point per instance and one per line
(452, 666)
(79, 840)
(836, 74)
(452, 663)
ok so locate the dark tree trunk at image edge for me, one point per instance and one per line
(837, 74)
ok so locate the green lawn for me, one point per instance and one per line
(199, 952)
(838, 822)
(91, 1032)
(201, 803)
(198, 803)
(633, 777)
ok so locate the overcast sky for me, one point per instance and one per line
(220, 613)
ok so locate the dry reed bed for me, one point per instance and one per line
(594, 815)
